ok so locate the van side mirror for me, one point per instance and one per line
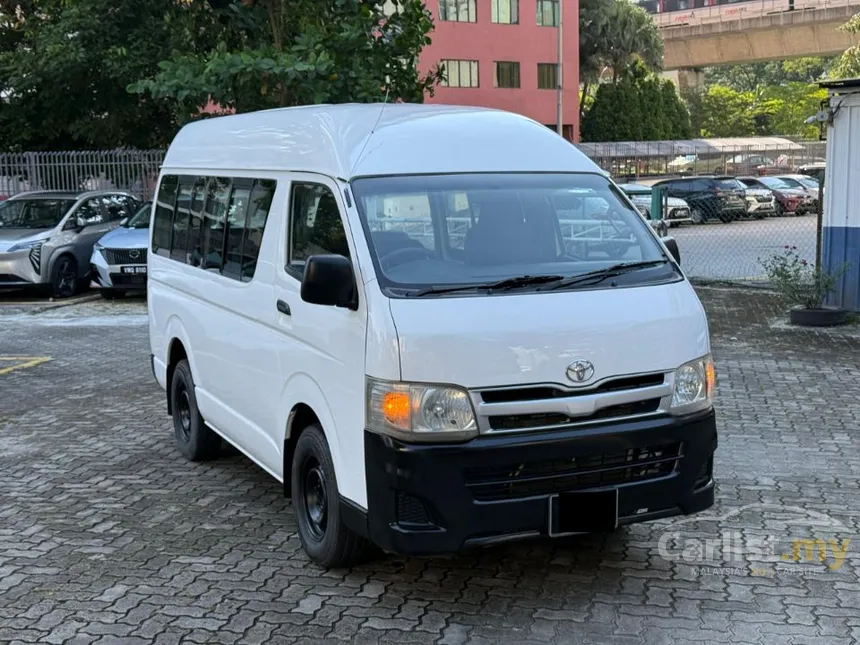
(672, 247)
(329, 280)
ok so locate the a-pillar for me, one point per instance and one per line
(840, 242)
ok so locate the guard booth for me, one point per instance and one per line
(840, 240)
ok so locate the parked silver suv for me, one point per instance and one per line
(47, 237)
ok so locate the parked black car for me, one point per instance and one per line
(709, 197)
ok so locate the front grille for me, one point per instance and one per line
(548, 392)
(524, 421)
(123, 280)
(494, 483)
(679, 213)
(35, 256)
(125, 256)
(763, 198)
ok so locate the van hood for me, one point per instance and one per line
(125, 238)
(492, 341)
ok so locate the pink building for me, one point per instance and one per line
(503, 54)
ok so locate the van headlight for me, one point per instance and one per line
(694, 386)
(420, 412)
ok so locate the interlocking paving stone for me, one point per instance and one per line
(108, 536)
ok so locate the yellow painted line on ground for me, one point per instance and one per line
(21, 362)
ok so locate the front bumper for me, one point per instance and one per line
(112, 276)
(426, 499)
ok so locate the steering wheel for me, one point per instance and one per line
(414, 252)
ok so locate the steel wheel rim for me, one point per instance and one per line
(183, 408)
(315, 499)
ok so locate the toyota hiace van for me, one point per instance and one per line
(439, 327)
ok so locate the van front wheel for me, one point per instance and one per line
(316, 502)
(195, 440)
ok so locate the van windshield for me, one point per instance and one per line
(435, 231)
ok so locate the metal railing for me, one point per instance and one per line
(132, 170)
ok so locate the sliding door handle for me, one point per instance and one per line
(283, 307)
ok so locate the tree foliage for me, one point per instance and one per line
(750, 77)
(639, 107)
(296, 52)
(64, 68)
(848, 64)
(615, 36)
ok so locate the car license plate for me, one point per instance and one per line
(583, 512)
(133, 270)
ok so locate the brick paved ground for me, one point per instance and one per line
(108, 536)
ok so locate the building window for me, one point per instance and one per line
(547, 76)
(457, 10)
(460, 73)
(507, 74)
(505, 12)
(547, 13)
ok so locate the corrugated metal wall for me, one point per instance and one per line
(841, 233)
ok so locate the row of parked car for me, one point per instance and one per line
(67, 241)
(727, 198)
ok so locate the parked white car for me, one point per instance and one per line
(676, 211)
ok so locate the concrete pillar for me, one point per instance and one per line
(686, 78)
(840, 240)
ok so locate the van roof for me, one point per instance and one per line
(335, 140)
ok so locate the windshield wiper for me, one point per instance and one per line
(606, 272)
(507, 283)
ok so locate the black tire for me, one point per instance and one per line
(195, 440)
(697, 216)
(111, 294)
(316, 503)
(780, 210)
(64, 277)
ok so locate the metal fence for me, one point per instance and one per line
(133, 170)
(730, 227)
(716, 242)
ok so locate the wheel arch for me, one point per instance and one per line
(178, 347)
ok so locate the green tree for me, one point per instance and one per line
(725, 112)
(298, 52)
(65, 66)
(615, 35)
(750, 77)
(848, 64)
(675, 113)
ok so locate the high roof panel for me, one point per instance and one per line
(336, 140)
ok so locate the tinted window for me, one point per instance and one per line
(163, 220)
(236, 212)
(315, 223)
(90, 212)
(33, 213)
(258, 212)
(181, 221)
(115, 207)
(218, 222)
(728, 184)
(131, 205)
(214, 219)
(701, 185)
(195, 227)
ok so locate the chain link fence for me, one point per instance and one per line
(132, 170)
(730, 203)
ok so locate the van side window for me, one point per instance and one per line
(258, 212)
(162, 223)
(214, 221)
(195, 227)
(315, 224)
(181, 220)
(235, 227)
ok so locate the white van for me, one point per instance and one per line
(438, 326)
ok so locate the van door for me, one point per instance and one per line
(322, 360)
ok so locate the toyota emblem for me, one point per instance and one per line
(580, 371)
